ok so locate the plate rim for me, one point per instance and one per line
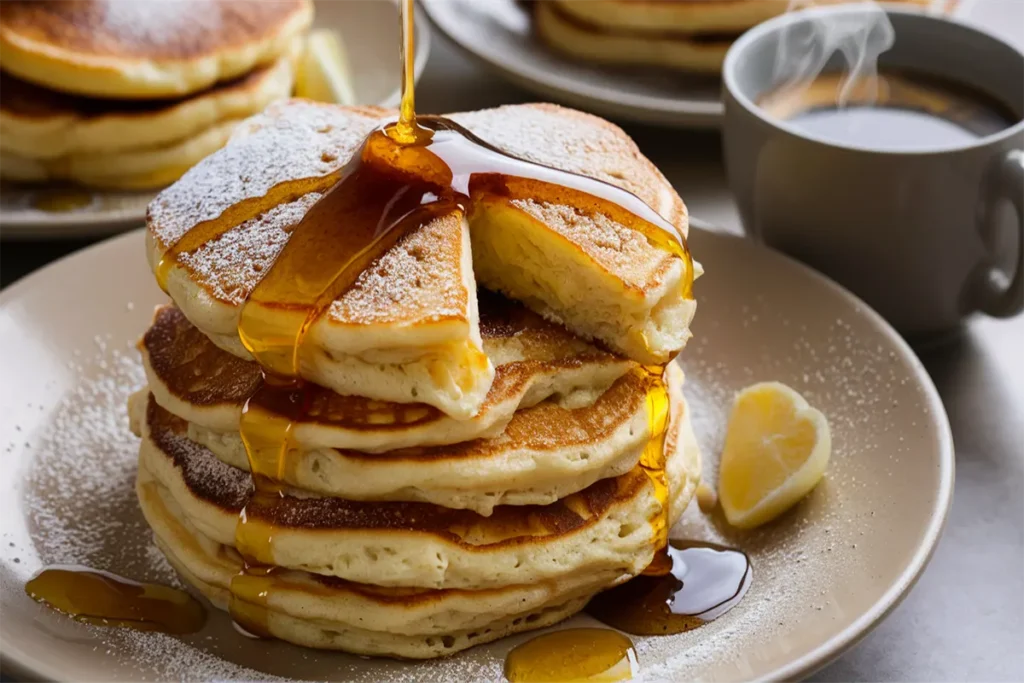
(72, 225)
(684, 114)
(803, 666)
(837, 645)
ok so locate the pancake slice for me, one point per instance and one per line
(406, 331)
(140, 50)
(600, 278)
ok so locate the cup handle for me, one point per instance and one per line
(995, 295)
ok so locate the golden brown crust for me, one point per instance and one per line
(229, 489)
(197, 372)
(172, 31)
(29, 101)
(204, 475)
(192, 367)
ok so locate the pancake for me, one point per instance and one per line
(604, 528)
(545, 453)
(406, 314)
(322, 612)
(684, 17)
(38, 123)
(134, 169)
(534, 359)
(684, 51)
(130, 50)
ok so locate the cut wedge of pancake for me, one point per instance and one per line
(144, 50)
(601, 279)
(685, 51)
(323, 612)
(604, 528)
(534, 359)
(407, 331)
(134, 169)
(38, 123)
(666, 17)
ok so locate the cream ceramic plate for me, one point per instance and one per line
(824, 574)
(499, 33)
(370, 32)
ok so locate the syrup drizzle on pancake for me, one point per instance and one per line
(103, 599)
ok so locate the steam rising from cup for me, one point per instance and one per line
(806, 48)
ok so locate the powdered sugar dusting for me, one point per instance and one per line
(573, 141)
(290, 140)
(82, 510)
(82, 498)
(157, 23)
(232, 265)
(420, 279)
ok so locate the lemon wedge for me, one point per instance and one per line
(323, 73)
(776, 450)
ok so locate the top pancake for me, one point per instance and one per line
(599, 278)
(685, 17)
(126, 49)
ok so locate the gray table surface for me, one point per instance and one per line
(965, 619)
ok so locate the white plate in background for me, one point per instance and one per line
(370, 31)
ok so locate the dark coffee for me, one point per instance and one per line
(896, 111)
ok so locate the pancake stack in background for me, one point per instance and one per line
(129, 95)
(687, 35)
(465, 467)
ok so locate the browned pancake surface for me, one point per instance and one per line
(230, 489)
(27, 100)
(198, 372)
(165, 30)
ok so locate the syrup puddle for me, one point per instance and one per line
(104, 599)
(699, 582)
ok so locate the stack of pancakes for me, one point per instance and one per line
(123, 94)
(689, 35)
(476, 454)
